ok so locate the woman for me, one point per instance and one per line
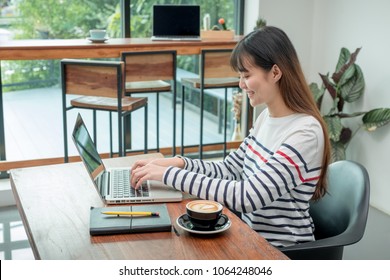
(281, 165)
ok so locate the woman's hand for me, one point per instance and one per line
(152, 169)
(147, 172)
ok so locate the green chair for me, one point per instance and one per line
(339, 217)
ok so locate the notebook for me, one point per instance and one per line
(113, 184)
(101, 224)
(176, 22)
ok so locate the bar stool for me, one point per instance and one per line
(152, 72)
(215, 72)
(98, 86)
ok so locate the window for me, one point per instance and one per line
(30, 85)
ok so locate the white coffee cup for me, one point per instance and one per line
(97, 34)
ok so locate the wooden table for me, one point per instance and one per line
(54, 202)
(82, 48)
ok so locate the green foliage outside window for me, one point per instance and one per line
(54, 19)
(62, 19)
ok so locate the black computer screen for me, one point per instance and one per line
(176, 20)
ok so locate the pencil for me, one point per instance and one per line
(124, 213)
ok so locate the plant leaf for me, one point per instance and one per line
(338, 151)
(376, 118)
(334, 127)
(318, 93)
(343, 58)
(329, 85)
(353, 89)
(346, 75)
(345, 61)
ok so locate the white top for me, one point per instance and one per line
(269, 179)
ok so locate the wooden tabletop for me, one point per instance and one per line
(54, 202)
(82, 48)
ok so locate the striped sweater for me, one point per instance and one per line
(269, 179)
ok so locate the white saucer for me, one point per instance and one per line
(97, 40)
(184, 222)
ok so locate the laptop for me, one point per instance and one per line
(176, 22)
(113, 184)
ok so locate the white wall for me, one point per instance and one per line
(319, 29)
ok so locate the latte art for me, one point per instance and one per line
(204, 207)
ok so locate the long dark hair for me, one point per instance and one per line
(266, 47)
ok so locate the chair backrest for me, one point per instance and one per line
(149, 66)
(216, 64)
(340, 216)
(92, 78)
(345, 207)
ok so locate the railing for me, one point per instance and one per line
(29, 114)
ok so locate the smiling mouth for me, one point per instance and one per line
(250, 94)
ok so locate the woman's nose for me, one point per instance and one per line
(242, 84)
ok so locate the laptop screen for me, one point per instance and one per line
(176, 20)
(86, 148)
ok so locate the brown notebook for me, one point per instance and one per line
(101, 224)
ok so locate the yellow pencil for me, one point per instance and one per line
(124, 213)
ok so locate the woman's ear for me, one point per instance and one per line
(276, 73)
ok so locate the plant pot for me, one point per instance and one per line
(217, 34)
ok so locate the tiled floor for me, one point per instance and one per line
(34, 129)
(13, 239)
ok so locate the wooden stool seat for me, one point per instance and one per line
(149, 86)
(212, 82)
(110, 104)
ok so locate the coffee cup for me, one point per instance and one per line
(204, 213)
(97, 34)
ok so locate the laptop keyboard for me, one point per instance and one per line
(121, 185)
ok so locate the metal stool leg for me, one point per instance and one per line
(225, 125)
(174, 122)
(110, 121)
(182, 120)
(121, 145)
(94, 128)
(146, 129)
(158, 121)
(65, 126)
(201, 124)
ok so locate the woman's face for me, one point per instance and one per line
(260, 86)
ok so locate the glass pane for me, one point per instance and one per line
(22, 254)
(17, 231)
(1, 233)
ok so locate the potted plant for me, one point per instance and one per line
(260, 22)
(346, 85)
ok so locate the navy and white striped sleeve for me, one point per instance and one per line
(268, 177)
